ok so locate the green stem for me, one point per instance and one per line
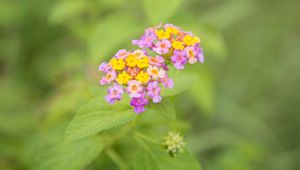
(116, 159)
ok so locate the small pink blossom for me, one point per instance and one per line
(134, 88)
(156, 61)
(114, 93)
(167, 82)
(108, 78)
(162, 47)
(104, 67)
(121, 54)
(154, 91)
(139, 103)
(179, 59)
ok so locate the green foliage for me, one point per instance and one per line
(152, 157)
(160, 11)
(240, 107)
(65, 10)
(71, 156)
(110, 32)
(97, 116)
(182, 81)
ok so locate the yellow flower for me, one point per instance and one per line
(112, 61)
(143, 77)
(190, 40)
(131, 60)
(177, 45)
(161, 34)
(123, 78)
(172, 30)
(117, 64)
(143, 62)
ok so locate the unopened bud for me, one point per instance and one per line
(173, 143)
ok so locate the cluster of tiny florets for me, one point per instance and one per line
(176, 45)
(136, 74)
(173, 143)
(140, 75)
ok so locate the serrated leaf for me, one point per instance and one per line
(159, 11)
(97, 116)
(182, 81)
(156, 158)
(111, 32)
(73, 156)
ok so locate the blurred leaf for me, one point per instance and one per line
(203, 92)
(153, 157)
(110, 32)
(213, 44)
(182, 81)
(10, 12)
(97, 116)
(72, 156)
(164, 108)
(159, 11)
(229, 13)
(16, 122)
(75, 93)
(65, 10)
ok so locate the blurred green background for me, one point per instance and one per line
(243, 111)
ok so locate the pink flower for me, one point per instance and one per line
(104, 67)
(179, 59)
(199, 54)
(155, 72)
(154, 91)
(121, 54)
(133, 71)
(156, 61)
(191, 54)
(134, 88)
(114, 93)
(108, 78)
(139, 103)
(167, 82)
(146, 40)
(162, 47)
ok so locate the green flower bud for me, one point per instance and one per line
(173, 143)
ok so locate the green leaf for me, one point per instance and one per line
(164, 108)
(97, 116)
(154, 157)
(229, 13)
(110, 32)
(183, 80)
(203, 92)
(73, 156)
(160, 11)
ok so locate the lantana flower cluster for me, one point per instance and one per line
(140, 75)
(176, 45)
(136, 74)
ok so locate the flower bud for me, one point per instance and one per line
(173, 143)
